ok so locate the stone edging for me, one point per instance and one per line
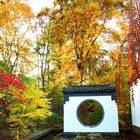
(43, 133)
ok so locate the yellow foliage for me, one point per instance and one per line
(15, 17)
(79, 30)
(25, 114)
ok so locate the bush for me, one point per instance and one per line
(21, 107)
(54, 121)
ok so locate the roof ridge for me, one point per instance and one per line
(89, 89)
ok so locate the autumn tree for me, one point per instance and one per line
(43, 48)
(78, 28)
(134, 41)
(14, 35)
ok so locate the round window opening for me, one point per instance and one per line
(90, 113)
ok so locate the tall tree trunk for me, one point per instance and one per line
(43, 82)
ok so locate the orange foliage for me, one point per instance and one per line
(134, 42)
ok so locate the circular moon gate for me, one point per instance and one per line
(90, 113)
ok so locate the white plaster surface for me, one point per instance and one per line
(110, 120)
(135, 105)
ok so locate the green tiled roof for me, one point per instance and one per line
(89, 89)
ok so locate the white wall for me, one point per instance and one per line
(135, 106)
(109, 123)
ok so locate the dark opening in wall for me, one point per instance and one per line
(90, 113)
